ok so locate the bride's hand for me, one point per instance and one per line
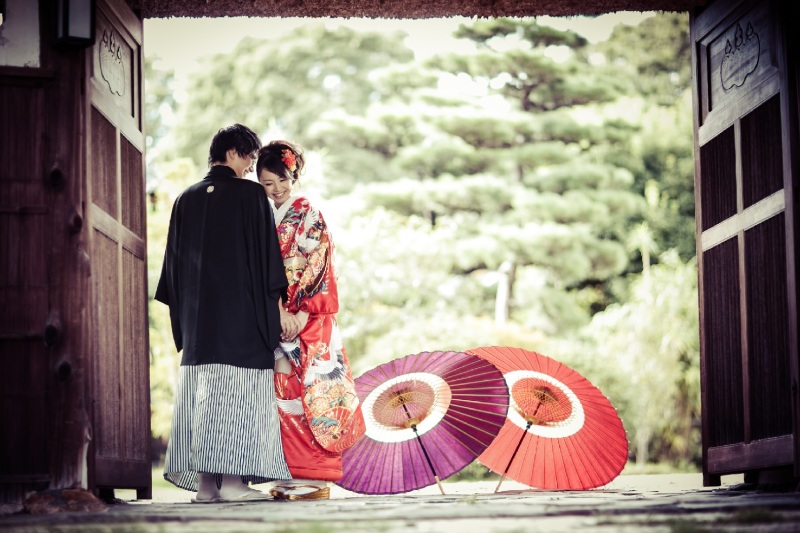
(288, 327)
(289, 324)
(302, 320)
(294, 324)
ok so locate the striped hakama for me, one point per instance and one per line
(232, 433)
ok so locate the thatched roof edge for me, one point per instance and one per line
(410, 9)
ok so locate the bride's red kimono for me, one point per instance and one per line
(319, 411)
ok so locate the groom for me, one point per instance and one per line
(222, 278)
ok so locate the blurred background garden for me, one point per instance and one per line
(523, 186)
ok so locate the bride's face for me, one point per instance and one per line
(278, 188)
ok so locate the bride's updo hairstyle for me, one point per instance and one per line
(282, 158)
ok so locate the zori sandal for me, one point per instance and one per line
(302, 492)
(250, 495)
(212, 499)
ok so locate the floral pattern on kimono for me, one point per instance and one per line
(318, 406)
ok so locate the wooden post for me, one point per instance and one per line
(66, 332)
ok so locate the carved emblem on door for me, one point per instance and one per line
(741, 57)
(112, 68)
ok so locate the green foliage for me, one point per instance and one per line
(542, 154)
(483, 31)
(482, 195)
(474, 472)
(401, 81)
(668, 177)
(400, 296)
(285, 84)
(568, 164)
(483, 128)
(527, 74)
(440, 157)
(159, 100)
(652, 342)
(571, 177)
(655, 54)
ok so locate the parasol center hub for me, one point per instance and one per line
(539, 402)
(404, 405)
(401, 399)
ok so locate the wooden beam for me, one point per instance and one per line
(766, 453)
(109, 471)
(755, 214)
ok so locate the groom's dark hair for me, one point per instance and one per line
(239, 137)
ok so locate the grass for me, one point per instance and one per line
(659, 468)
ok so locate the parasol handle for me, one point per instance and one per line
(439, 484)
(424, 451)
(513, 455)
(428, 459)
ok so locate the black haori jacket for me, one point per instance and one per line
(223, 274)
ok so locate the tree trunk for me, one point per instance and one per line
(505, 284)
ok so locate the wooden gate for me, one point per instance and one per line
(24, 290)
(119, 381)
(746, 150)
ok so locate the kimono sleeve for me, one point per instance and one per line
(265, 266)
(316, 290)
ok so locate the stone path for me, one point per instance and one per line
(668, 503)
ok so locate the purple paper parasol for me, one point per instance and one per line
(428, 416)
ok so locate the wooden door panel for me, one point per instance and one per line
(121, 385)
(133, 216)
(718, 168)
(767, 324)
(107, 409)
(762, 154)
(723, 402)
(135, 398)
(104, 163)
(25, 294)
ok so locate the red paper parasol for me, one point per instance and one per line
(428, 416)
(561, 431)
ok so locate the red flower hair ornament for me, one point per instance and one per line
(288, 158)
